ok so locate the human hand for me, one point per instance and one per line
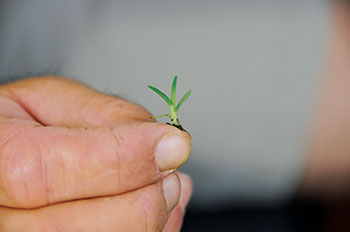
(327, 171)
(72, 159)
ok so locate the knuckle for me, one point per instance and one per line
(23, 177)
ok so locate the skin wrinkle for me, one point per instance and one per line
(4, 170)
(18, 93)
(111, 160)
(43, 170)
(43, 162)
(26, 188)
(110, 157)
(67, 167)
(16, 110)
(65, 162)
(117, 155)
(10, 137)
(146, 201)
(65, 172)
(23, 178)
(68, 164)
(17, 98)
(40, 169)
(124, 173)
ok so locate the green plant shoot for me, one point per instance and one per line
(173, 115)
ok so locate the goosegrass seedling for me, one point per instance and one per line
(173, 115)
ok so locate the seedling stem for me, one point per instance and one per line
(173, 115)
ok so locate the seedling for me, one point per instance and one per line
(171, 102)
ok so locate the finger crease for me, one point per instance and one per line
(119, 166)
(43, 169)
(4, 172)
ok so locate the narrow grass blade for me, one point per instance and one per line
(183, 99)
(160, 116)
(173, 90)
(160, 93)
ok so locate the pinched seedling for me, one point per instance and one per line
(173, 115)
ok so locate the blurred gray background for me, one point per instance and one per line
(253, 67)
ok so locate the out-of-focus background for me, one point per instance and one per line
(253, 66)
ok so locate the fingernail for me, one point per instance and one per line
(172, 151)
(171, 190)
(186, 190)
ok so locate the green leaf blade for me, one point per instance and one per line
(183, 99)
(161, 94)
(173, 90)
(160, 116)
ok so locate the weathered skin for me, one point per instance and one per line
(73, 159)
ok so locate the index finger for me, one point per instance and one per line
(58, 101)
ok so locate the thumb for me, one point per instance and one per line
(43, 165)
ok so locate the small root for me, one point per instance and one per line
(179, 127)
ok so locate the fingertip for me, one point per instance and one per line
(175, 219)
(172, 190)
(186, 189)
(172, 151)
